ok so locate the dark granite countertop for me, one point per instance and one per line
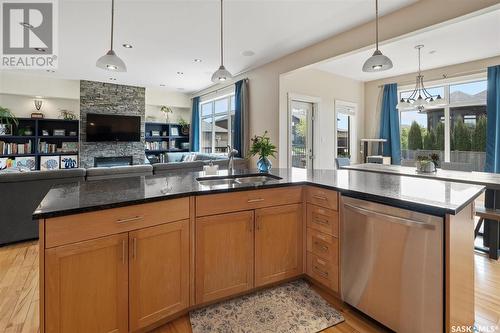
(430, 196)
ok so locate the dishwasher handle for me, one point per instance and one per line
(391, 218)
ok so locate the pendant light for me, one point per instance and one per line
(377, 62)
(420, 98)
(110, 61)
(222, 74)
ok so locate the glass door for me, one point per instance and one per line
(301, 134)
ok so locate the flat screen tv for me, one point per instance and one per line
(113, 128)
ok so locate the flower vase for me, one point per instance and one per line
(263, 164)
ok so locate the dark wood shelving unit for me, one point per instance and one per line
(165, 142)
(37, 126)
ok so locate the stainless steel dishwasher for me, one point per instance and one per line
(392, 265)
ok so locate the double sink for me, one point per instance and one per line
(248, 179)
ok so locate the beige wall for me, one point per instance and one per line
(432, 76)
(18, 90)
(264, 81)
(327, 88)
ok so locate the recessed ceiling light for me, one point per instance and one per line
(38, 96)
(162, 85)
(127, 46)
(432, 51)
(197, 60)
(39, 49)
(50, 71)
(112, 79)
(248, 53)
(180, 73)
(26, 25)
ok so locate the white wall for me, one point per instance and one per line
(264, 81)
(327, 88)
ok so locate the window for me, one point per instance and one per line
(217, 124)
(456, 132)
(345, 112)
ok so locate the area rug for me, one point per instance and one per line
(291, 307)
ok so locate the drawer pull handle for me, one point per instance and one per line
(123, 251)
(255, 200)
(325, 274)
(135, 218)
(321, 246)
(319, 197)
(321, 221)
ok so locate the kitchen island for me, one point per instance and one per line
(107, 244)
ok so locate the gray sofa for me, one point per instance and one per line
(175, 163)
(21, 193)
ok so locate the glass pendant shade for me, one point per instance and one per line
(221, 75)
(402, 105)
(377, 62)
(110, 61)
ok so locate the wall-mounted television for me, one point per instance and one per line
(113, 128)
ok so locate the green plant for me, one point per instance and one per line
(479, 135)
(7, 117)
(415, 136)
(183, 123)
(262, 146)
(434, 158)
(461, 136)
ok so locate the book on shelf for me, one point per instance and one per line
(157, 145)
(46, 148)
(12, 148)
(159, 158)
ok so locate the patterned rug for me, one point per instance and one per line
(291, 307)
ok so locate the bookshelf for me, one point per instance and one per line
(162, 138)
(36, 138)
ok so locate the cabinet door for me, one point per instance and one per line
(278, 243)
(224, 255)
(86, 286)
(159, 272)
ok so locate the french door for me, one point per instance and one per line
(300, 136)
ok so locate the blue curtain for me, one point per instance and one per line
(195, 125)
(389, 123)
(240, 117)
(493, 114)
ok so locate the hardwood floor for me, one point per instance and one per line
(19, 296)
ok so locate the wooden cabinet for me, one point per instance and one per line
(158, 272)
(224, 255)
(278, 243)
(86, 286)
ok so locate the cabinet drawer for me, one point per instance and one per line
(322, 197)
(323, 219)
(246, 200)
(323, 271)
(323, 245)
(75, 228)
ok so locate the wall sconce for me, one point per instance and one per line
(38, 104)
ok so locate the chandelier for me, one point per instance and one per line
(420, 98)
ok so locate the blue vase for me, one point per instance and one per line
(263, 164)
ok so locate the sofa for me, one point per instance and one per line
(20, 195)
(176, 161)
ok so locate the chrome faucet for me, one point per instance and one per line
(231, 153)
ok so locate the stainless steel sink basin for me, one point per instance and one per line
(237, 179)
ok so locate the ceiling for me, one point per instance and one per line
(167, 35)
(472, 38)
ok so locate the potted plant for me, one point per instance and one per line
(427, 163)
(184, 126)
(7, 118)
(166, 111)
(262, 146)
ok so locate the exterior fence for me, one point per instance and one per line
(299, 156)
(475, 158)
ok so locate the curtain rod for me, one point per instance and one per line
(442, 77)
(221, 88)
